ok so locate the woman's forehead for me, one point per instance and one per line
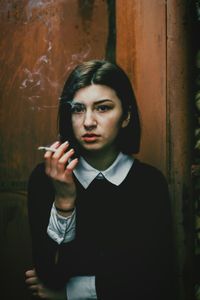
(94, 93)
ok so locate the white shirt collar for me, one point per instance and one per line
(116, 173)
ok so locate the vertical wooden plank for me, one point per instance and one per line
(179, 62)
(41, 41)
(141, 51)
(153, 47)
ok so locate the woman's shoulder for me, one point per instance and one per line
(147, 179)
(38, 169)
(39, 183)
(38, 175)
(145, 167)
(145, 171)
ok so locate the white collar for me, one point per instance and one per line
(116, 173)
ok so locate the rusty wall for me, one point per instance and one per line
(141, 51)
(155, 52)
(41, 42)
(180, 134)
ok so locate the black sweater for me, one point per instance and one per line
(123, 236)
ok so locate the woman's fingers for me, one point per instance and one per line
(30, 273)
(72, 165)
(51, 158)
(53, 146)
(64, 159)
(38, 289)
(33, 287)
(48, 155)
(59, 161)
(31, 277)
(62, 162)
(59, 165)
(59, 152)
(54, 158)
(55, 167)
(32, 280)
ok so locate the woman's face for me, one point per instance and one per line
(97, 117)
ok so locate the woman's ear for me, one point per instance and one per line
(126, 120)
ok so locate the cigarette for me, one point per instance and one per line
(46, 148)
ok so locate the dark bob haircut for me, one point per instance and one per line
(104, 73)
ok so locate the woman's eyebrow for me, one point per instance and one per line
(102, 100)
(77, 102)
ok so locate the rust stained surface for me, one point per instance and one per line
(153, 46)
(179, 107)
(41, 41)
(141, 51)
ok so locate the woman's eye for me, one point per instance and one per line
(103, 108)
(78, 109)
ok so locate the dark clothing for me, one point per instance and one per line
(123, 235)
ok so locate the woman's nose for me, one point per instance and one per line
(89, 120)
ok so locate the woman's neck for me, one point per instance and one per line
(101, 160)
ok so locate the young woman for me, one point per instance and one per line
(100, 219)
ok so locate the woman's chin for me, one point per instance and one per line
(91, 148)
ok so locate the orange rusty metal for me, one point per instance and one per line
(179, 125)
(153, 47)
(41, 41)
(141, 51)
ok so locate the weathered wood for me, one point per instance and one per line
(41, 41)
(141, 51)
(179, 112)
(153, 47)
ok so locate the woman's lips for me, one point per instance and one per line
(90, 137)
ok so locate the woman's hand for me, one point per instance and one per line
(61, 171)
(38, 289)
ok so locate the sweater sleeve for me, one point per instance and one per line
(45, 251)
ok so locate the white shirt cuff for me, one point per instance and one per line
(81, 288)
(61, 229)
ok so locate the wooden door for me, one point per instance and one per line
(153, 46)
(41, 41)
